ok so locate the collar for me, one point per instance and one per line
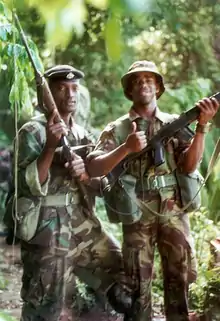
(42, 119)
(161, 116)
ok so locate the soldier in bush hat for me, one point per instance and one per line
(69, 240)
(138, 67)
(147, 199)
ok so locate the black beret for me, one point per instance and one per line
(63, 72)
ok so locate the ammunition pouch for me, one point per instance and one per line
(25, 220)
(189, 187)
(122, 205)
(121, 202)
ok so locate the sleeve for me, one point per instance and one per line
(28, 147)
(86, 138)
(181, 145)
(106, 143)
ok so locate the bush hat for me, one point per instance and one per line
(141, 66)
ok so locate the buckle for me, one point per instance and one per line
(66, 200)
(154, 183)
(157, 182)
(161, 181)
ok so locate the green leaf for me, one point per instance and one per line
(3, 33)
(37, 60)
(13, 50)
(14, 96)
(4, 10)
(140, 6)
(117, 6)
(113, 38)
(2, 7)
(99, 4)
(61, 18)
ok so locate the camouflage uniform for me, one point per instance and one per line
(69, 240)
(169, 229)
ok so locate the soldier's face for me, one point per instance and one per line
(66, 95)
(144, 87)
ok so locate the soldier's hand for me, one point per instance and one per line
(77, 168)
(54, 131)
(208, 108)
(135, 141)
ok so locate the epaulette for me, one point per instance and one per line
(40, 118)
(111, 126)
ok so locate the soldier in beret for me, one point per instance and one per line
(69, 239)
(155, 216)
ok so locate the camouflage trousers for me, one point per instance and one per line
(170, 231)
(70, 243)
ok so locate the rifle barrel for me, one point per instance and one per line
(24, 40)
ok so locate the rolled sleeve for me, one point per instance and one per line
(32, 180)
(30, 144)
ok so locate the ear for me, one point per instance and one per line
(130, 90)
(157, 87)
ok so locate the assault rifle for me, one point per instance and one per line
(49, 106)
(155, 145)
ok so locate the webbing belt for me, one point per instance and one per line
(157, 182)
(60, 199)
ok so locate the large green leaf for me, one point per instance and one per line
(113, 37)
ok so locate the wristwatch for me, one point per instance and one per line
(203, 128)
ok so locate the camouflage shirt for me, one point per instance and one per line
(31, 140)
(116, 133)
(111, 138)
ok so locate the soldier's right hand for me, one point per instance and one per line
(135, 141)
(54, 131)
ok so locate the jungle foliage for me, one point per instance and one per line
(103, 37)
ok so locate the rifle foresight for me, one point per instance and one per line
(217, 96)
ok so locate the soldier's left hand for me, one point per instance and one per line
(77, 168)
(208, 108)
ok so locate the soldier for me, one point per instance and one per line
(155, 214)
(69, 238)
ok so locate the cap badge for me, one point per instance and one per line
(70, 75)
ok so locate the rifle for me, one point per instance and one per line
(50, 105)
(155, 144)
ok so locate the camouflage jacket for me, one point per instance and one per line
(142, 170)
(37, 204)
(116, 133)
(31, 140)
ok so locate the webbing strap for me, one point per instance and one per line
(211, 165)
(60, 199)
